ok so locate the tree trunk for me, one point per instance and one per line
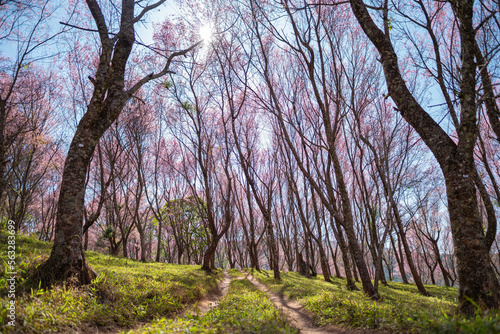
(209, 255)
(478, 283)
(398, 253)
(86, 243)
(142, 239)
(324, 264)
(125, 245)
(67, 258)
(158, 246)
(212, 261)
(345, 254)
(273, 249)
(334, 255)
(207, 258)
(409, 258)
(307, 262)
(444, 272)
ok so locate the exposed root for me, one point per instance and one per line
(53, 272)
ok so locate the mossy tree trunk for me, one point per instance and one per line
(67, 259)
(478, 283)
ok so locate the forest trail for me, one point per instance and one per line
(211, 299)
(299, 317)
(201, 307)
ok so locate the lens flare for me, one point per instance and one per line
(206, 33)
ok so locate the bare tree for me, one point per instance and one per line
(110, 95)
(478, 282)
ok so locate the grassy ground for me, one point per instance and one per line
(402, 308)
(243, 310)
(128, 292)
(235, 273)
(124, 292)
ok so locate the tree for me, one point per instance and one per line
(478, 282)
(109, 97)
(318, 100)
(184, 217)
(33, 150)
(381, 156)
(202, 121)
(261, 183)
(24, 28)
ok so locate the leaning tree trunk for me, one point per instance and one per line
(67, 258)
(478, 283)
(398, 254)
(351, 285)
(406, 247)
(319, 240)
(273, 249)
(444, 272)
(324, 261)
(348, 225)
(334, 255)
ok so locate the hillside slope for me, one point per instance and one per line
(124, 293)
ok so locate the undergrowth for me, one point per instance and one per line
(401, 309)
(243, 310)
(235, 273)
(124, 292)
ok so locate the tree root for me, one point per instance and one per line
(53, 272)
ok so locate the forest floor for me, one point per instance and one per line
(211, 299)
(401, 309)
(199, 308)
(134, 297)
(124, 294)
(202, 306)
(299, 317)
(244, 309)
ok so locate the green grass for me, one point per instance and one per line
(235, 273)
(402, 308)
(125, 291)
(243, 310)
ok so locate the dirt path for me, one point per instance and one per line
(299, 317)
(211, 300)
(201, 307)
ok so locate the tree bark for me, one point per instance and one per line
(478, 283)
(158, 246)
(67, 258)
(345, 253)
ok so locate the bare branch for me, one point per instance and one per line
(164, 71)
(99, 20)
(147, 9)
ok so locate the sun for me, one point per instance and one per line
(206, 33)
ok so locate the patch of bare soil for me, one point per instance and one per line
(211, 300)
(299, 317)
